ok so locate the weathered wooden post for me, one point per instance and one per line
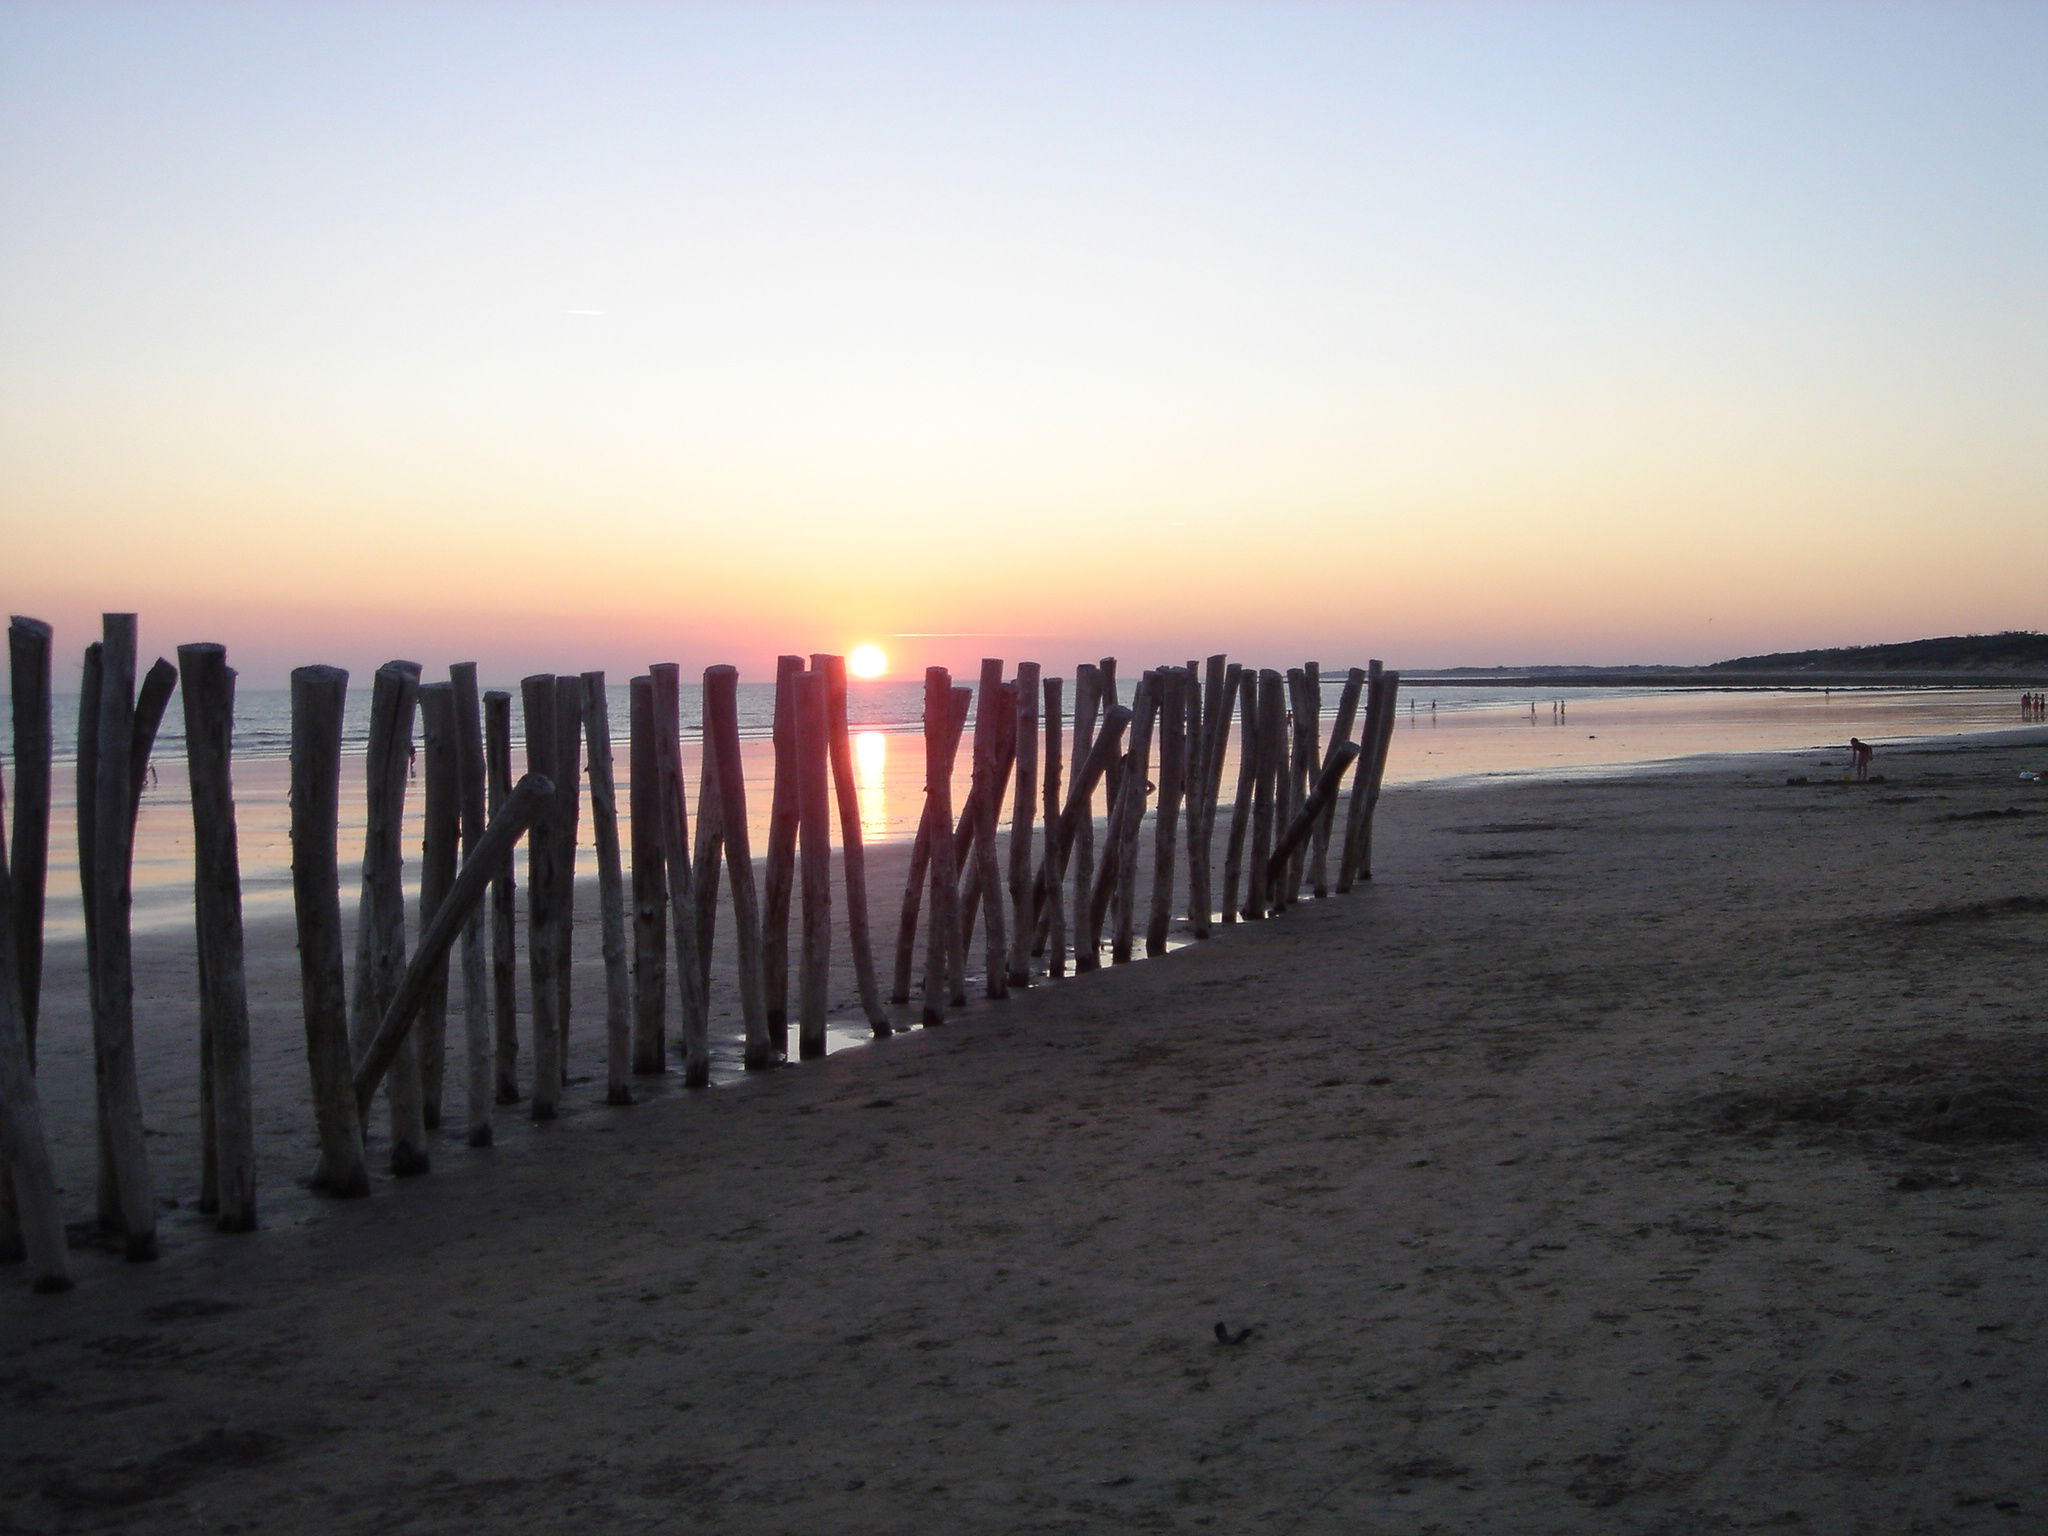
(650, 885)
(1077, 834)
(318, 694)
(942, 924)
(1052, 885)
(1320, 797)
(1376, 713)
(811, 719)
(567, 816)
(380, 931)
(778, 873)
(611, 894)
(853, 853)
(1104, 752)
(476, 1002)
(984, 797)
(113, 983)
(1176, 687)
(209, 686)
(504, 898)
(1145, 701)
(1247, 788)
(1023, 814)
(36, 1230)
(1218, 689)
(28, 859)
(1382, 740)
(439, 855)
(1266, 787)
(543, 850)
(1340, 732)
(673, 819)
(921, 855)
(722, 740)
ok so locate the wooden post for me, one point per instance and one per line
(722, 737)
(921, 857)
(318, 694)
(1077, 831)
(1376, 712)
(779, 868)
(853, 853)
(209, 686)
(37, 1229)
(1271, 768)
(1137, 792)
(673, 819)
(387, 1040)
(1304, 703)
(1052, 886)
(611, 894)
(986, 796)
(476, 1003)
(942, 926)
(1247, 788)
(543, 850)
(1104, 752)
(650, 886)
(1023, 814)
(440, 853)
(113, 981)
(380, 930)
(28, 860)
(1383, 738)
(1176, 687)
(567, 813)
(709, 854)
(504, 899)
(811, 712)
(1340, 732)
(1205, 772)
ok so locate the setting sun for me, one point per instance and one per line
(867, 661)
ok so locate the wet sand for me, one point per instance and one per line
(1657, 1152)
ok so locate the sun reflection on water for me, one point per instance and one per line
(871, 778)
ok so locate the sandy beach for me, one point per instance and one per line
(1656, 1152)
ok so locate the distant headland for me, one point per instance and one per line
(2013, 658)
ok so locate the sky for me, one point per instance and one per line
(563, 336)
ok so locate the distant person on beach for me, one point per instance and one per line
(1859, 758)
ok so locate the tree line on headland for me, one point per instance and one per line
(2012, 657)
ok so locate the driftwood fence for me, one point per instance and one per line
(1042, 858)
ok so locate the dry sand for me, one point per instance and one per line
(1659, 1153)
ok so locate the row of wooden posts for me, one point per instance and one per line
(1060, 887)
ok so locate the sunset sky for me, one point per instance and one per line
(577, 335)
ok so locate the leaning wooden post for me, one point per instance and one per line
(28, 859)
(722, 736)
(1383, 738)
(1266, 785)
(318, 694)
(811, 717)
(1145, 706)
(209, 686)
(942, 924)
(611, 894)
(1217, 692)
(440, 852)
(380, 938)
(1104, 752)
(1177, 685)
(1320, 798)
(113, 981)
(387, 1040)
(778, 872)
(1340, 732)
(543, 851)
(1304, 704)
(37, 1232)
(1023, 814)
(650, 885)
(476, 1002)
(504, 899)
(1052, 885)
(920, 860)
(1354, 819)
(565, 815)
(708, 853)
(853, 854)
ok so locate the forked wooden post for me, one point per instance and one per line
(722, 737)
(1340, 732)
(1376, 713)
(113, 981)
(650, 886)
(209, 685)
(504, 908)
(611, 894)
(812, 718)
(476, 1000)
(920, 860)
(380, 941)
(24, 1149)
(543, 851)
(1382, 740)
(778, 873)
(318, 695)
(1023, 814)
(440, 853)
(1103, 753)
(853, 854)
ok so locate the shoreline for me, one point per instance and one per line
(1566, 1175)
